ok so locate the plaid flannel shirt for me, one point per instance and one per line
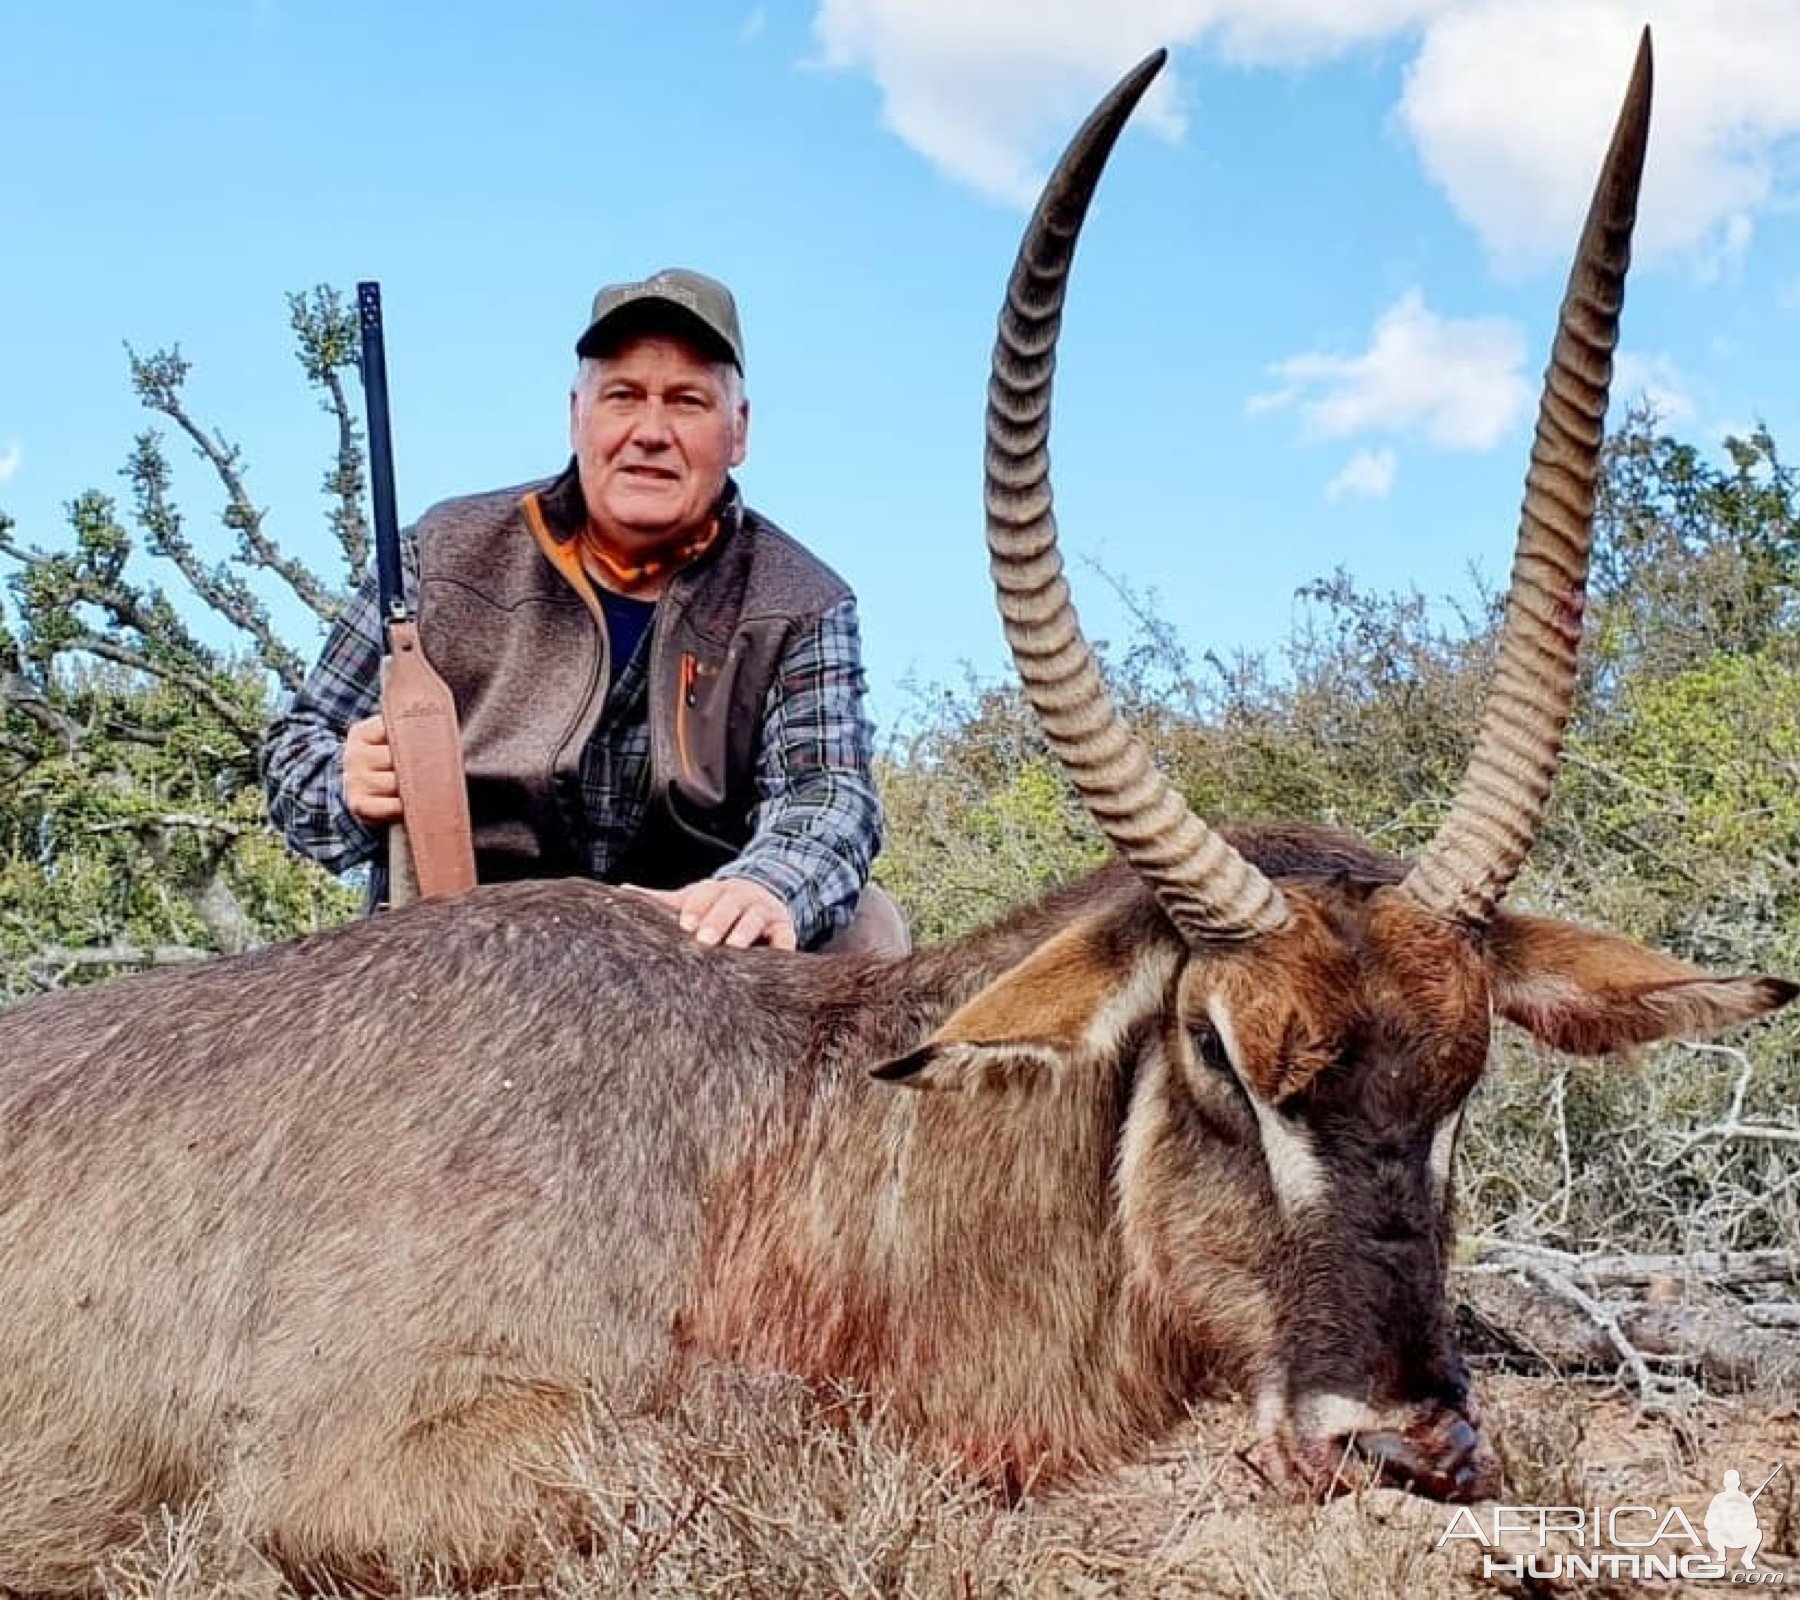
(817, 822)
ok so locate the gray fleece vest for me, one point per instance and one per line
(526, 659)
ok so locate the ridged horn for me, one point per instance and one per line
(1481, 846)
(1207, 889)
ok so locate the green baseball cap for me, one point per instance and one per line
(675, 297)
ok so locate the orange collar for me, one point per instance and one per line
(624, 577)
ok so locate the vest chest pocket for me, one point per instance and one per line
(701, 745)
(719, 714)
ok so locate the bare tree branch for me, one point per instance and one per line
(246, 725)
(1773, 1313)
(221, 589)
(1650, 1387)
(1718, 1268)
(19, 693)
(326, 331)
(54, 964)
(1732, 1125)
(173, 819)
(1570, 1329)
(158, 379)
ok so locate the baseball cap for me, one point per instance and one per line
(674, 296)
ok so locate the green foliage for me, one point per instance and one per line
(979, 815)
(1677, 810)
(1718, 747)
(1690, 558)
(131, 819)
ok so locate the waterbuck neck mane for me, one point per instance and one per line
(1311, 850)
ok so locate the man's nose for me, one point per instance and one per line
(651, 426)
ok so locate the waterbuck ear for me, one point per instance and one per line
(1590, 993)
(1024, 1024)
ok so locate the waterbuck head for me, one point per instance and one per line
(1309, 1019)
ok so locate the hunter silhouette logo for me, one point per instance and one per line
(1731, 1520)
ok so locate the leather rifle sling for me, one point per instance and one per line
(430, 852)
(420, 713)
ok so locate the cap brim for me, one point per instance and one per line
(653, 315)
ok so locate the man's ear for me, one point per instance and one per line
(1591, 993)
(740, 434)
(1023, 1027)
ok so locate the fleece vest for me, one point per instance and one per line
(526, 656)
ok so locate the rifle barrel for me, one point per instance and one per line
(381, 454)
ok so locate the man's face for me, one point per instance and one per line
(654, 429)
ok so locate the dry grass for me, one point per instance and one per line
(756, 1489)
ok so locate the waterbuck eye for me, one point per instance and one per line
(1211, 1048)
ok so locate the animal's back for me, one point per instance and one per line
(273, 1221)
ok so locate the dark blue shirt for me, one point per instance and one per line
(627, 621)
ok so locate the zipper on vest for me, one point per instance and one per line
(690, 670)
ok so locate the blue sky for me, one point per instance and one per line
(1305, 330)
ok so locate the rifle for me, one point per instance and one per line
(429, 850)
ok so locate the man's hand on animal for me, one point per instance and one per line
(371, 786)
(730, 911)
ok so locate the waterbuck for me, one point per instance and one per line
(357, 1270)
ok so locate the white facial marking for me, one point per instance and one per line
(1443, 1150)
(1335, 1416)
(1295, 1171)
(1144, 1125)
(1127, 1006)
(1271, 1409)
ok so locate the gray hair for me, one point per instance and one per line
(587, 374)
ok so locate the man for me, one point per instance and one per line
(656, 686)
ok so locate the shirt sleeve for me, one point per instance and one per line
(303, 752)
(817, 824)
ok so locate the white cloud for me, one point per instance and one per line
(1459, 382)
(1509, 102)
(754, 25)
(989, 92)
(1656, 379)
(984, 91)
(11, 459)
(1367, 475)
(1506, 101)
